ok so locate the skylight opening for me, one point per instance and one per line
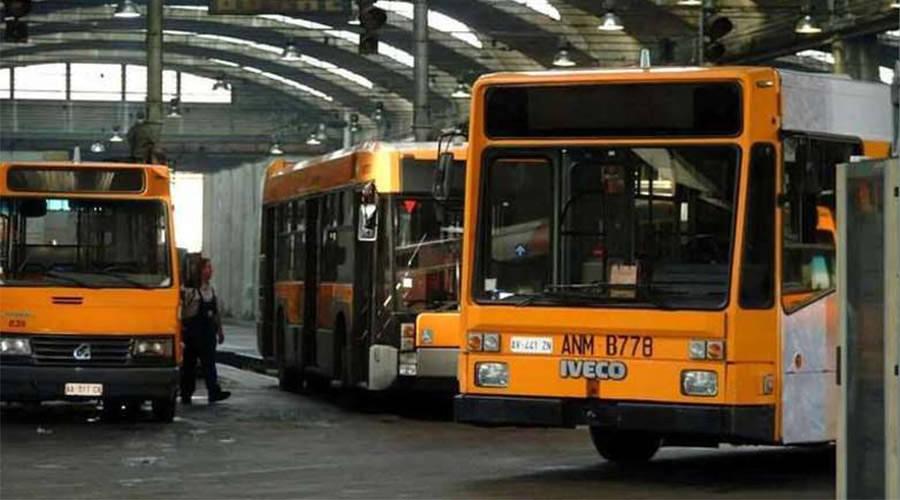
(818, 55)
(436, 21)
(541, 7)
(290, 83)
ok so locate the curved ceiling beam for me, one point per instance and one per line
(94, 50)
(388, 80)
(91, 9)
(340, 97)
(65, 31)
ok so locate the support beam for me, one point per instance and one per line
(421, 119)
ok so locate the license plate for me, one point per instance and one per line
(84, 389)
(629, 346)
(531, 345)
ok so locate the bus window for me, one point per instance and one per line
(758, 264)
(519, 208)
(427, 240)
(283, 252)
(808, 246)
(86, 242)
(299, 239)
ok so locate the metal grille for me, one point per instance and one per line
(60, 350)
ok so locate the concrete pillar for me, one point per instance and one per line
(154, 68)
(857, 57)
(421, 121)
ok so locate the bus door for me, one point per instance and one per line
(308, 344)
(809, 326)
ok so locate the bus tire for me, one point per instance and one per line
(625, 447)
(163, 409)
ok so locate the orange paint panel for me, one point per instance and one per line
(333, 298)
(290, 295)
(444, 328)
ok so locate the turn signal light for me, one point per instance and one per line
(706, 349)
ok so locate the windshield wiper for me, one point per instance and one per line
(123, 278)
(70, 279)
(583, 292)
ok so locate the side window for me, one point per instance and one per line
(329, 239)
(298, 234)
(758, 262)
(283, 252)
(808, 218)
(518, 214)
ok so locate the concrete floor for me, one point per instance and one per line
(263, 443)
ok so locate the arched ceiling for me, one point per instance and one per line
(478, 36)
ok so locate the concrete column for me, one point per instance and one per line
(421, 121)
(857, 57)
(154, 68)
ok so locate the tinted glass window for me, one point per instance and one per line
(620, 110)
(757, 268)
(58, 180)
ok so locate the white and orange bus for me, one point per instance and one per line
(355, 251)
(650, 252)
(89, 289)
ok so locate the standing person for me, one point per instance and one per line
(202, 328)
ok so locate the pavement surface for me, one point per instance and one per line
(264, 443)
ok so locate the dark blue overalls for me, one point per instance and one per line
(200, 343)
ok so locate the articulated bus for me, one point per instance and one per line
(355, 251)
(89, 291)
(651, 253)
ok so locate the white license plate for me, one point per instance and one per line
(531, 345)
(84, 389)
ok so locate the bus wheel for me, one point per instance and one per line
(625, 447)
(164, 409)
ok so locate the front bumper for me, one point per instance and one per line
(43, 383)
(720, 423)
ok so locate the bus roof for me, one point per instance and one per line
(658, 73)
(373, 161)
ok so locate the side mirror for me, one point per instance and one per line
(443, 176)
(367, 229)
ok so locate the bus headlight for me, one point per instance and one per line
(15, 346)
(491, 342)
(699, 383)
(152, 348)
(491, 374)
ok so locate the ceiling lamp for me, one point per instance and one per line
(175, 108)
(290, 52)
(116, 136)
(275, 149)
(610, 23)
(98, 147)
(461, 91)
(690, 3)
(321, 135)
(221, 83)
(895, 5)
(126, 9)
(806, 25)
(562, 59)
(313, 140)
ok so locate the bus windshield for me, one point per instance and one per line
(626, 226)
(427, 251)
(77, 242)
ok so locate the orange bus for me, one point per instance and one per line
(88, 287)
(650, 253)
(354, 249)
